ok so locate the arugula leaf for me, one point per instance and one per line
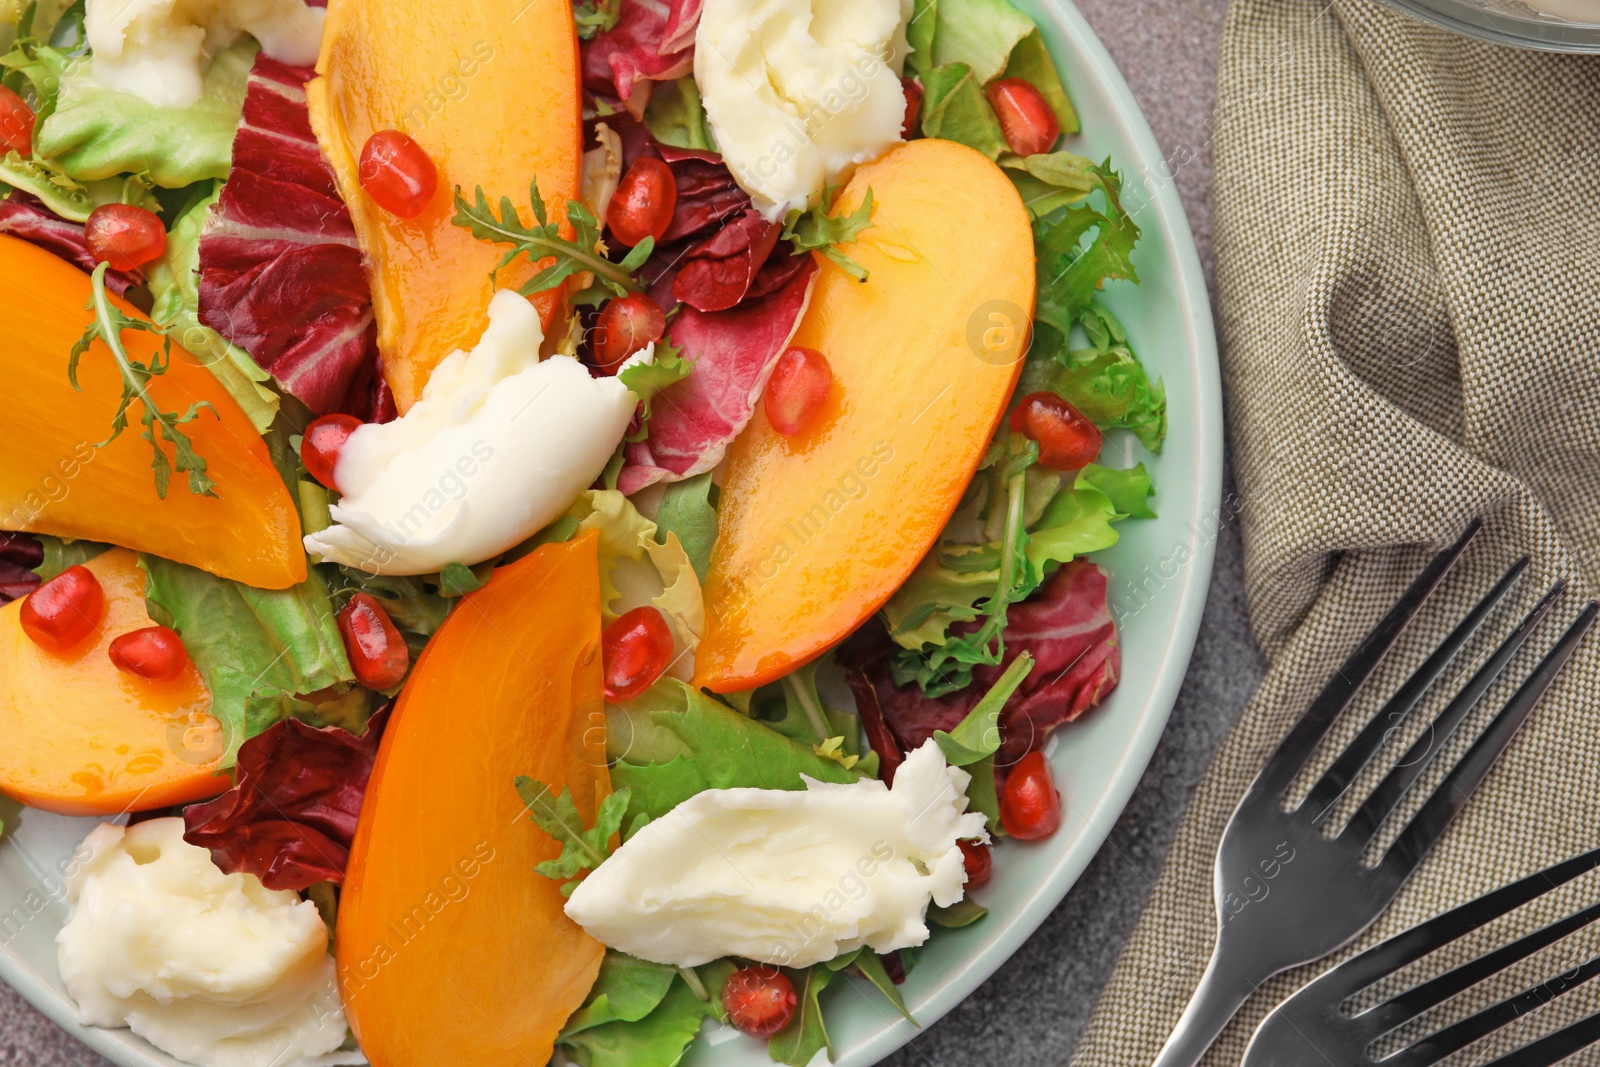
(596, 16)
(978, 735)
(807, 1033)
(645, 380)
(1069, 274)
(660, 1038)
(962, 913)
(980, 34)
(954, 108)
(94, 132)
(815, 230)
(259, 650)
(572, 256)
(107, 326)
(870, 964)
(673, 742)
(688, 510)
(1128, 490)
(627, 989)
(983, 795)
(557, 815)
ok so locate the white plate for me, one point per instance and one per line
(1160, 572)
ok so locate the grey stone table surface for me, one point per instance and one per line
(1033, 1009)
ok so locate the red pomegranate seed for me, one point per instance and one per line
(396, 172)
(1025, 116)
(637, 649)
(1068, 441)
(644, 202)
(154, 653)
(64, 610)
(1030, 806)
(378, 654)
(760, 1000)
(913, 91)
(626, 325)
(16, 123)
(801, 380)
(980, 862)
(124, 236)
(321, 444)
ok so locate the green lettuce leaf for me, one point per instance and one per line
(977, 736)
(1050, 180)
(689, 513)
(626, 990)
(645, 380)
(660, 1038)
(259, 650)
(59, 554)
(636, 569)
(919, 35)
(676, 116)
(95, 132)
(174, 285)
(1030, 61)
(49, 183)
(1071, 273)
(1108, 385)
(954, 108)
(979, 33)
(673, 742)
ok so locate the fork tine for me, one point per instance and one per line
(1360, 752)
(1434, 1048)
(1302, 741)
(1553, 1049)
(1413, 1002)
(1384, 959)
(1397, 783)
(1424, 831)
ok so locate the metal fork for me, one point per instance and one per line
(1286, 893)
(1311, 1027)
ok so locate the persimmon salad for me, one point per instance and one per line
(540, 530)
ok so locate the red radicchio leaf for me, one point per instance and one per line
(1067, 626)
(718, 251)
(879, 736)
(25, 216)
(715, 274)
(19, 554)
(281, 274)
(290, 819)
(693, 420)
(652, 41)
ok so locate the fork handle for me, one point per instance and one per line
(1223, 989)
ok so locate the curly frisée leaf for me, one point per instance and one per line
(579, 254)
(557, 815)
(107, 325)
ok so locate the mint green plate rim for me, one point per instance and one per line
(1160, 574)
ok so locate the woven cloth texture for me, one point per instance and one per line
(1407, 230)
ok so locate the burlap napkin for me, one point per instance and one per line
(1408, 249)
